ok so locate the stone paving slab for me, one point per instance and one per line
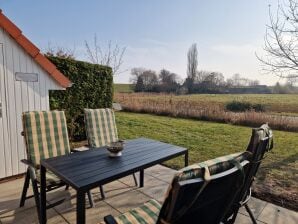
(121, 196)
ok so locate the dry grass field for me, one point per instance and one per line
(281, 110)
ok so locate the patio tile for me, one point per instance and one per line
(129, 181)
(256, 206)
(158, 170)
(29, 215)
(115, 188)
(10, 195)
(243, 219)
(154, 188)
(127, 201)
(274, 214)
(93, 215)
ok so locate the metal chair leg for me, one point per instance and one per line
(36, 196)
(135, 179)
(102, 193)
(25, 188)
(90, 198)
(254, 221)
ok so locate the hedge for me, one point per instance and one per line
(92, 88)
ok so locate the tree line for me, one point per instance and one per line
(147, 80)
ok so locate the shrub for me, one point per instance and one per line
(236, 106)
(92, 88)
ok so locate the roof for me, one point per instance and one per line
(33, 51)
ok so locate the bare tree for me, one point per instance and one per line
(192, 65)
(192, 61)
(111, 55)
(281, 41)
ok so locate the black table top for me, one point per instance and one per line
(88, 169)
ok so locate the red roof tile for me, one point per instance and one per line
(33, 51)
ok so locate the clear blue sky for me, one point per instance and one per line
(157, 33)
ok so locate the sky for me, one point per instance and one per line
(157, 33)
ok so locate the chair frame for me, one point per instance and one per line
(101, 190)
(198, 182)
(245, 193)
(31, 176)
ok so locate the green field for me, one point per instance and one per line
(123, 88)
(277, 177)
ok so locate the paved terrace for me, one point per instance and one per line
(121, 196)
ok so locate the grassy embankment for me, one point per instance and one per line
(123, 88)
(277, 177)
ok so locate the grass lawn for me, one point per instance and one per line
(123, 88)
(277, 177)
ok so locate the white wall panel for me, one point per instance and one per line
(17, 97)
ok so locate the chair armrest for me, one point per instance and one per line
(27, 162)
(109, 219)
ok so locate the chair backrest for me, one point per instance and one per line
(203, 193)
(100, 127)
(45, 134)
(261, 141)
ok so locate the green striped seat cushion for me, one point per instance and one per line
(51, 179)
(145, 214)
(100, 127)
(45, 135)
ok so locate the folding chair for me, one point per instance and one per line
(46, 136)
(101, 130)
(260, 143)
(201, 193)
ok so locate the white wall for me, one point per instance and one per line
(16, 97)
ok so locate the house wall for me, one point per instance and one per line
(16, 97)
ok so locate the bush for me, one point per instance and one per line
(236, 106)
(92, 88)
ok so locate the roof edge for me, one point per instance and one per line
(33, 51)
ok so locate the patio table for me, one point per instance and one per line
(88, 169)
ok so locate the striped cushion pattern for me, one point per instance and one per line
(51, 179)
(145, 214)
(45, 135)
(215, 166)
(259, 134)
(100, 126)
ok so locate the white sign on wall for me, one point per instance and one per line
(26, 77)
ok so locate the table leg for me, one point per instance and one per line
(186, 159)
(141, 178)
(43, 206)
(81, 213)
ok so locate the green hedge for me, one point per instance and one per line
(92, 88)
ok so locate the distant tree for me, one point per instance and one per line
(253, 82)
(212, 83)
(281, 40)
(139, 86)
(192, 65)
(58, 51)
(145, 80)
(168, 81)
(111, 55)
(292, 80)
(236, 80)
